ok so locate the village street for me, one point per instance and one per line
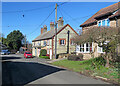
(18, 70)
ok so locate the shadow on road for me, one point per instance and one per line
(22, 73)
(10, 57)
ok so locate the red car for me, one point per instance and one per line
(27, 54)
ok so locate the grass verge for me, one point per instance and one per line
(85, 67)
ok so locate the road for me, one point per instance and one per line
(18, 70)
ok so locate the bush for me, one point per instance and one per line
(80, 55)
(45, 57)
(75, 57)
(43, 52)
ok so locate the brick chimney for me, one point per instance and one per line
(41, 30)
(44, 29)
(60, 22)
(51, 25)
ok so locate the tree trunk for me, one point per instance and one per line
(107, 61)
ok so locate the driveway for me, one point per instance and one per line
(18, 70)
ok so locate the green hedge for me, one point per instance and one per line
(43, 52)
(45, 57)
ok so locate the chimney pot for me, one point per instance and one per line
(60, 22)
(44, 29)
(51, 25)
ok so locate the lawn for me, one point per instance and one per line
(85, 67)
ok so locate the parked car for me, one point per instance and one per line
(5, 52)
(27, 54)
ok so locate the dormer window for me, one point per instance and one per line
(103, 22)
(108, 22)
(99, 23)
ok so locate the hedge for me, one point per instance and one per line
(45, 57)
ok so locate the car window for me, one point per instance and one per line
(28, 53)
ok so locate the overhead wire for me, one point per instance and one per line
(62, 14)
(43, 21)
(27, 10)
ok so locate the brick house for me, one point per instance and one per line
(46, 40)
(108, 16)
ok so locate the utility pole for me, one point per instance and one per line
(25, 41)
(56, 31)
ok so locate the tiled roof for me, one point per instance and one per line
(102, 12)
(116, 14)
(48, 34)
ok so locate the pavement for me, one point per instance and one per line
(17, 70)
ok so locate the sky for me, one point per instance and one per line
(28, 16)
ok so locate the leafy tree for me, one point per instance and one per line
(4, 41)
(14, 40)
(105, 37)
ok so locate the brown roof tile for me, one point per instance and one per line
(103, 11)
(48, 34)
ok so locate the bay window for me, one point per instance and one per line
(86, 48)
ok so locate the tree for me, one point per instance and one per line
(105, 37)
(4, 41)
(14, 40)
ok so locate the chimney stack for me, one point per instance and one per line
(51, 25)
(60, 22)
(44, 29)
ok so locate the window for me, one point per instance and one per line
(108, 22)
(33, 43)
(44, 43)
(71, 42)
(86, 48)
(103, 22)
(48, 42)
(99, 23)
(82, 48)
(62, 41)
(100, 49)
(38, 43)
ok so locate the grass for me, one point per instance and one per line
(85, 67)
(45, 57)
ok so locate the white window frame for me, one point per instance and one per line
(82, 46)
(72, 42)
(85, 48)
(63, 43)
(99, 49)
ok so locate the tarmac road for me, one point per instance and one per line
(18, 70)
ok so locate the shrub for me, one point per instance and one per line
(75, 57)
(80, 55)
(45, 57)
(43, 52)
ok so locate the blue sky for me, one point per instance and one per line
(73, 13)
